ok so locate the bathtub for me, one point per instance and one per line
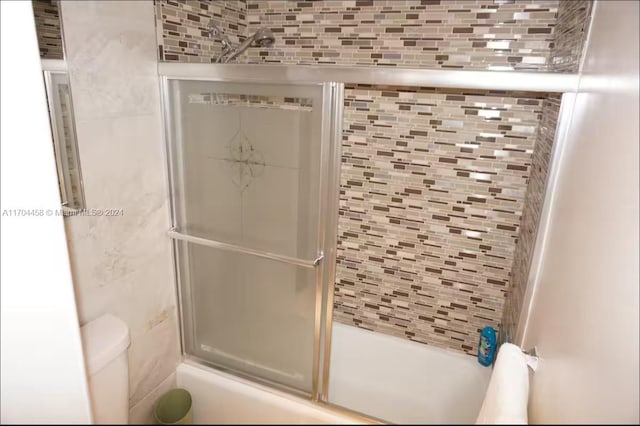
(220, 398)
(402, 381)
(381, 376)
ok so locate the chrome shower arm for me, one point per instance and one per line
(238, 49)
(227, 46)
(263, 37)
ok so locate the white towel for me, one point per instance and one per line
(508, 393)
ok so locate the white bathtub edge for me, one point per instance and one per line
(247, 395)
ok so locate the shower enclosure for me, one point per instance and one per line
(254, 156)
(254, 181)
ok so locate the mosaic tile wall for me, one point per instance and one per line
(473, 34)
(181, 28)
(432, 191)
(570, 35)
(482, 34)
(531, 215)
(47, 20)
(433, 181)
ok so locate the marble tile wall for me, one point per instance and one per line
(122, 264)
(432, 191)
(142, 412)
(47, 19)
(530, 216)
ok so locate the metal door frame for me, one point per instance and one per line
(331, 125)
(334, 78)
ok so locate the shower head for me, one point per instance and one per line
(263, 37)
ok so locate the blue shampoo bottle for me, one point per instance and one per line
(487, 346)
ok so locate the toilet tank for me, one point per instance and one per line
(105, 341)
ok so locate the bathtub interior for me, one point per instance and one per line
(383, 377)
(402, 381)
(220, 398)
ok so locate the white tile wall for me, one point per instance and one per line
(142, 412)
(122, 264)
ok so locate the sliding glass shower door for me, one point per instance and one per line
(247, 163)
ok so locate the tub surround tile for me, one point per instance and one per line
(121, 264)
(433, 186)
(154, 354)
(182, 28)
(483, 34)
(530, 217)
(47, 17)
(116, 274)
(570, 35)
(531, 35)
(124, 257)
(136, 176)
(111, 57)
(142, 412)
(433, 181)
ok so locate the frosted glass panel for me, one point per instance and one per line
(245, 165)
(253, 315)
(251, 164)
